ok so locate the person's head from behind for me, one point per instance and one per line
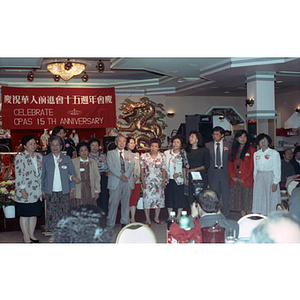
(208, 202)
(279, 227)
(218, 133)
(83, 224)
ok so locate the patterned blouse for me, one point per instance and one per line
(101, 161)
(175, 162)
(28, 176)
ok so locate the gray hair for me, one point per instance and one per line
(261, 234)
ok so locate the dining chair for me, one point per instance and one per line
(136, 233)
(247, 223)
(292, 184)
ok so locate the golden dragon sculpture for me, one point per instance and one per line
(139, 116)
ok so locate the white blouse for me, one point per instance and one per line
(269, 160)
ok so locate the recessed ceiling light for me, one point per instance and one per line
(226, 92)
(174, 72)
(279, 81)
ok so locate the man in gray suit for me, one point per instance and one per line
(120, 181)
(207, 207)
(218, 177)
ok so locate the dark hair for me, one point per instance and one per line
(128, 141)
(179, 137)
(27, 138)
(200, 143)
(83, 224)
(236, 145)
(55, 138)
(209, 201)
(297, 149)
(261, 136)
(260, 234)
(219, 128)
(92, 140)
(57, 129)
(83, 144)
(155, 141)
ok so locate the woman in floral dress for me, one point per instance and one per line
(153, 179)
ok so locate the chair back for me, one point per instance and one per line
(292, 184)
(247, 223)
(136, 233)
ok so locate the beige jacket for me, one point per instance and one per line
(94, 177)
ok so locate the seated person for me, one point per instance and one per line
(208, 208)
(83, 224)
(287, 169)
(295, 161)
(294, 202)
(279, 227)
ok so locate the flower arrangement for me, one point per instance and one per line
(7, 192)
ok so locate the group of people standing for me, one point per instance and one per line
(245, 179)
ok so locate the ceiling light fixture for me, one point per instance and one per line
(100, 66)
(30, 76)
(66, 70)
(85, 77)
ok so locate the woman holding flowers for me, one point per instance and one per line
(153, 179)
(28, 188)
(86, 169)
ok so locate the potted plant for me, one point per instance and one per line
(7, 196)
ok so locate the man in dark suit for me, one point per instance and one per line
(218, 177)
(207, 207)
(120, 164)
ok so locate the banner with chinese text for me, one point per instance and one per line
(38, 108)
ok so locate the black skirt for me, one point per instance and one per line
(175, 195)
(29, 209)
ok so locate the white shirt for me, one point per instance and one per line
(34, 161)
(269, 160)
(57, 187)
(221, 152)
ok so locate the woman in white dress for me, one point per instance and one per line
(267, 175)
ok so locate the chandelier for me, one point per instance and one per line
(66, 70)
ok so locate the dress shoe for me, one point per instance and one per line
(148, 224)
(34, 241)
(159, 222)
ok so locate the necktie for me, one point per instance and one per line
(218, 155)
(122, 163)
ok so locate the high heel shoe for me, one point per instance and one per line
(34, 241)
(159, 222)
